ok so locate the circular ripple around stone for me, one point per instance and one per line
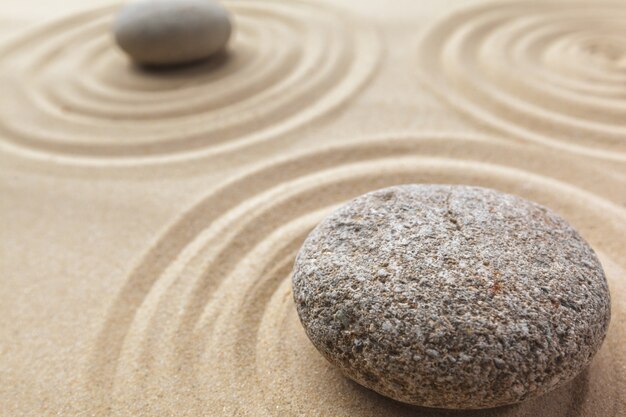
(212, 295)
(69, 93)
(548, 72)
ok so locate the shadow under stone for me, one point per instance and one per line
(190, 69)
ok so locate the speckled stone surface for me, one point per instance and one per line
(451, 296)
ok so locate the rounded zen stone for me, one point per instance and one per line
(170, 32)
(451, 296)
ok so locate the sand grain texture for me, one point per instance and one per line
(149, 221)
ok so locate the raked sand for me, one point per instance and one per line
(149, 221)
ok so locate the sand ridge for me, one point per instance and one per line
(162, 294)
(288, 63)
(552, 73)
(210, 289)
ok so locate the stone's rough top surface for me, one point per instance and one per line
(451, 296)
(168, 32)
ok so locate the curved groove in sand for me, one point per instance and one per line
(80, 101)
(547, 72)
(212, 294)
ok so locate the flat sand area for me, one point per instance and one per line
(149, 219)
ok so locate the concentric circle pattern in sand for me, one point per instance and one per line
(206, 320)
(550, 72)
(69, 93)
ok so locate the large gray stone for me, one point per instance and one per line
(451, 296)
(167, 32)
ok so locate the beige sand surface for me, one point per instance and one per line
(149, 221)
